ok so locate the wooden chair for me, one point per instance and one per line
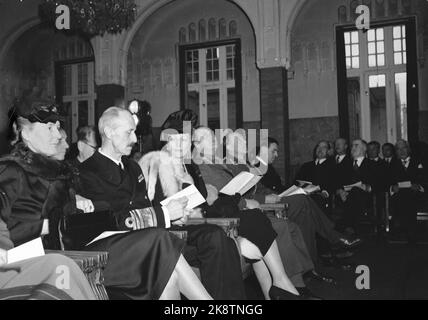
(92, 264)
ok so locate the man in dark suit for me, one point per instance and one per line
(111, 177)
(271, 179)
(409, 187)
(356, 198)
(380, 168)
(320, 172)
(343, 162)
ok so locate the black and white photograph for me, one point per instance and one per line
(211, 155)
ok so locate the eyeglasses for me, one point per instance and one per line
(95, 148)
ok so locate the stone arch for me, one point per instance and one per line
(143, 15)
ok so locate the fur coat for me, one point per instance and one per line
(159, 166)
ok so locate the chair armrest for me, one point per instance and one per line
(273, 206)
(92, 264)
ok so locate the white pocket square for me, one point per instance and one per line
(420, 166)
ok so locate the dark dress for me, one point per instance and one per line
(253, 225)
(211, 251)
(34, 188)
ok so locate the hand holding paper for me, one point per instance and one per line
(192, 194)
(292, 191)
(241, 184)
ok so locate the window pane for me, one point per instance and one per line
(381, 80)
(354, 37)
(403, 31)
(398, 58)
(371, 35)
(213, 108)
(404, 45)
(347, 38)
(216, 76)
(397, 45)
(397, 32)
(380, 47)
(355, 50)
(372, 61)
(379, 34)
(404, 57)
(355, 62)
(348, 63)
(372, 48)
(401, 104)
(380, 60)
(347, 50)
(378, 114)
(230, 75)
(372, 81)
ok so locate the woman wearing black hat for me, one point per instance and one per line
(35, 194)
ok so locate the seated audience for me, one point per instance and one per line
(302, 210)
(256, 237)
(380, 180)
(409, 185)
(35, 194)
(342, 160)
(359, 179)
(320, 172)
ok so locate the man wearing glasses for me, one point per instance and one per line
(86, 143)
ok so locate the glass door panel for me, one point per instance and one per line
(213, 108)
(378, 108)
(401, 104)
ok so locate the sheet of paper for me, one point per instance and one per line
(28, 250)
(241, 183)
(405, 185)
(250, 184)
(292, 191)
(191, 193)
(106, 234)
(349, 187)
(311, 189)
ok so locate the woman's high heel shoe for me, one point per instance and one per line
(276, 293)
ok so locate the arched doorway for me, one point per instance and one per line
(221, 39)
(42, 63)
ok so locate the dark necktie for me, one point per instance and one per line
(356, 165)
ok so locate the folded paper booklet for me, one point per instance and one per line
(292, 191)
(106, 234)
(241, 184)
(349, 187)
(191, 193)
(405, 185)
(28, 250)
(309, 189)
